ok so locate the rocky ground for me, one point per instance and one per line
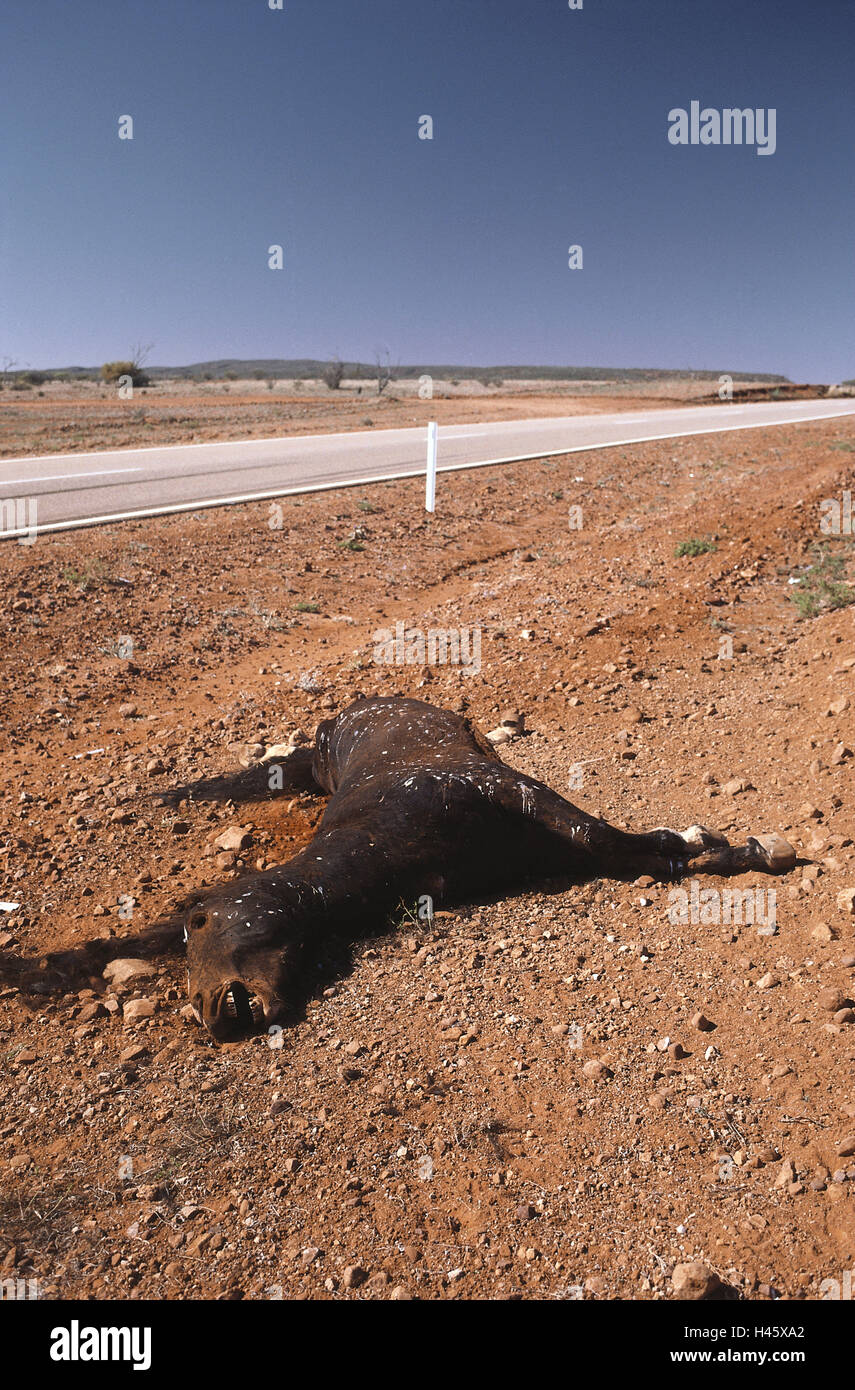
(563, 1094)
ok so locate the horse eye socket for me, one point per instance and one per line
(197, 920)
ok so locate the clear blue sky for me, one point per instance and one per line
(300, 127)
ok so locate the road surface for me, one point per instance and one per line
(86, 489)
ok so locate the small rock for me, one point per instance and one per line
(596, 1070)
(497, 736)
(90, 1011)
(831, 1000)
(138, 1008)
(514, 723)
(278, 750)
(733, 788)
(237, 837)
(354, 1275)
(702, 1023)
(125, 968)
(694, 1281)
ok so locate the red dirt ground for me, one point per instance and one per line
(429, 1128)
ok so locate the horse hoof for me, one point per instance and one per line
(776, 853)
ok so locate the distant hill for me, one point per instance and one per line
(307, 368)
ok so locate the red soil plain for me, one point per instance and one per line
(434, 1128)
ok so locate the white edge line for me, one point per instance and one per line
(173, 507)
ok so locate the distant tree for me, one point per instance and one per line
(131, 366)
(333, 374)
(385, 371)
(8, 364)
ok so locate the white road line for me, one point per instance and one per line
(61, 477)
(201, 504)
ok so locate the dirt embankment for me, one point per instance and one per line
(435, 1128)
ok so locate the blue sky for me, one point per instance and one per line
(254, 127)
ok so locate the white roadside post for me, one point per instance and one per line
(430, 483)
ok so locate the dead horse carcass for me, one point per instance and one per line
(420, 805)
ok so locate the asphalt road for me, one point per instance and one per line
(85, 489)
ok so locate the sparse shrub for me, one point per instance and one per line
(308, 607)
(112, 371)
(824, 585)
(695, 545)
(92, 573)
